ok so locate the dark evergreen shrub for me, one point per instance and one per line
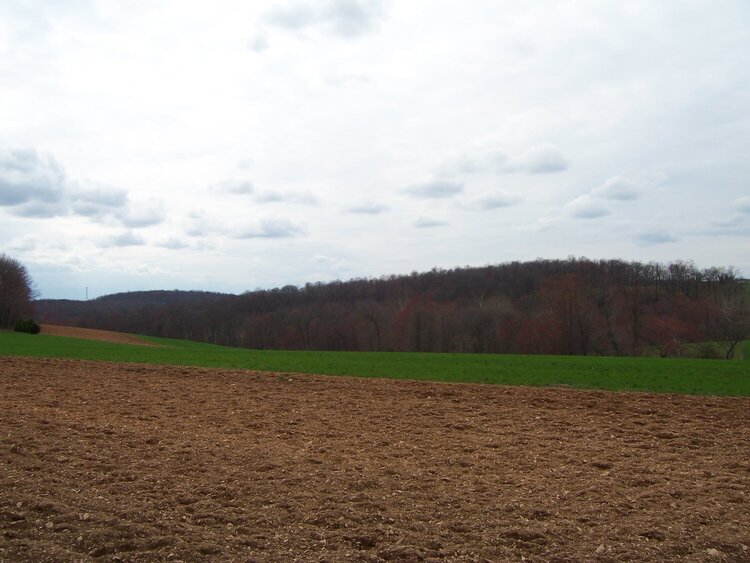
(27, 326)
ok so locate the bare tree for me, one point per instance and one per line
(734, 318)
(16, 292)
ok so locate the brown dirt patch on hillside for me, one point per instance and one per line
(149, 463)
(94, 334)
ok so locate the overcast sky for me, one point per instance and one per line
(232, 145)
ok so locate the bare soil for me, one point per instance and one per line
(94, 334)
(115, 462)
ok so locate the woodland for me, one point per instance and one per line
(572, 307)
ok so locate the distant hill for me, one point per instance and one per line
(573, 306)
(160, 297)
(93, 313)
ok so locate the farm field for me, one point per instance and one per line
(144, 463)
(704, 377)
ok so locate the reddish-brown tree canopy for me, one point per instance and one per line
(573, 306)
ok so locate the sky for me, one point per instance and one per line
(229, 145)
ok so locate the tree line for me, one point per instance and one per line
(575, 306)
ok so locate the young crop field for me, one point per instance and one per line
(702, 377)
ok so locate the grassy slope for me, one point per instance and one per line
(711, 377)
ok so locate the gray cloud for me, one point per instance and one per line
(23, 244)
(351, 18)
(271, 229)
(618, 188)
(259, 43)
(236, 187)
(427, 223)
(128, 238)
(343, 18)
(293, 16)
(583, 207)
(492, 161)
(142, 215)
(246, 187)
(367, 208)
(97, 202)
(731, 222)
(200, 225)
(495, 161)
(34, 185)
(28, 176)
(340, 80)
(272, 196)
(437, 189)
(742, 204)
(493, 200)
(544, 159)
(650, 238)
(173, 244)
(40, 210)
(737, 224)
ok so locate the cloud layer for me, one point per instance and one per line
(385, 136)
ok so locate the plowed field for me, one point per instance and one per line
(143, 463)
(93, 334)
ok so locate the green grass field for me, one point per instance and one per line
(704, 377)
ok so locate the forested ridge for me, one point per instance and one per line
(573, 306)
